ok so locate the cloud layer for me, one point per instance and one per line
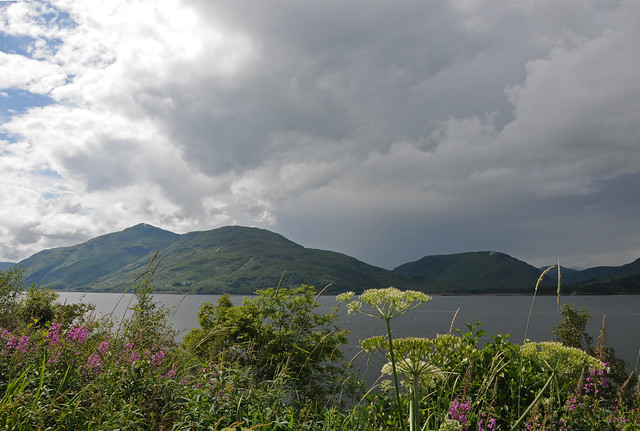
(385, 131)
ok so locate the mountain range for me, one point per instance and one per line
(240, 260)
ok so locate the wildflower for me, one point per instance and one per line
(157, 357)
(103, 347)
(53, 336)
(94, 363)
(23, 344)
(95, 360)
(54, 358)
(345, 297)
(490, 424)
(77, 334)
(386, 303)
(459, 411)
(11, 343)
(562, 359)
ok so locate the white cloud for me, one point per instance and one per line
(17, 71)
(191, 114)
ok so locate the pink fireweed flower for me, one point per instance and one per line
(95, 360)
(126, 354)
(5, 336)
(23, 344)
(54, 358)
(170, 374)
(157, 358)
(490, 423)
(103, 347)
(459, 411)
(54, 334)
(94, 363)
(77, 334)
(11, 343)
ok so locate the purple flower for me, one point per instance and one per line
(54, 334)
(157, 357)
(23, 344)
(103, 347)
(490, 424)
(55, 356)
(11, 344)
(78, 334)
(94, 363)
(459, 411)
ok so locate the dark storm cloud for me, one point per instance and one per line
(384, 130)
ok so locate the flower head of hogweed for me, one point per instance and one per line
(385, 303)
(560, 358)
(415, 356)
(345, 297)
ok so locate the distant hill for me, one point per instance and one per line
(82, 265)
(623, 279)
(231, 259)
(241, 260)
(6, 265)
(477, 272)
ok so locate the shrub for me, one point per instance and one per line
(275, 333)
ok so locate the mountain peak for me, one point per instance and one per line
(142, 226)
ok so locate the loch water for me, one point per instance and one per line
(498, 314)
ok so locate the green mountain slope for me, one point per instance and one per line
(5, 265)
(477, 272)
(238, 259)
(81, 265)
(623, 279)
(230, 259)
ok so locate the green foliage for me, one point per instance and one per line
(275, 333)
(149, 325)
(11, 287)
(39, 306)
(273, 363)
(571, 331)
(20, 308)
(387, 304)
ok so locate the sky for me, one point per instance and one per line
(387, 131)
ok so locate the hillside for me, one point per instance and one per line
(79, 266)
(623, 279)
(476, 272)
(239, 259)
(6, 265)
(229, 259)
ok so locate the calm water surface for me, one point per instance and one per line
(498, 314)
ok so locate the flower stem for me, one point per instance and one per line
(395, 376)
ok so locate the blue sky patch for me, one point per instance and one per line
(15, 45)
(16, 102)
(46, 173)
